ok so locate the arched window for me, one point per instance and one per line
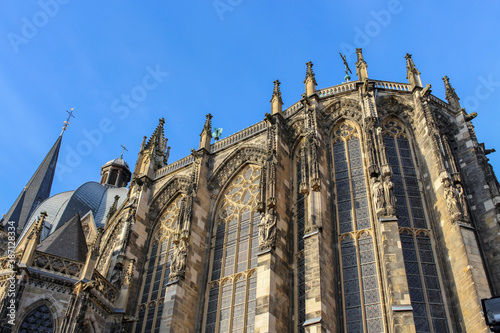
(157, 270)
(112, 178)
(423, 278)
(360, 281)
(38, 320)
(104, 178)
(232, 281)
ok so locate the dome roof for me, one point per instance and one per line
(61, 207)
(117, 161)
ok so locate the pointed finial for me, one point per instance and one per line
(162, 121)
(37, 230)
(96, 245)
(40, 222)
(347, 78)
(143, 144)
(276, 101)
(412, 73)
(206, 133)
(451, 95)
(309, 71)
(66, 122)
(361, 66)
(276, 89)
(310, 80)
(208, 124)
(123, 150)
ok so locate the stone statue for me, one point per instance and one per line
(267, 230)
(451, 200)
(390, 198)
(116, 277)
(462, 200)
(178, 264)
(378, 196)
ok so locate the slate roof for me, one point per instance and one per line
(36, 191)
(90, 196)
(68, 241)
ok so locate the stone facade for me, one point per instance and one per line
(368, 206)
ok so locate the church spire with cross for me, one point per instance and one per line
(38, 187)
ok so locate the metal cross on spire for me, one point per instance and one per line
(66, 122)
(123, 150)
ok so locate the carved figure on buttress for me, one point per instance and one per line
(179, 257)
(267, 230)
(451, 200)
(378, 196)
(116, 277)
(390, 198)
(462, 200)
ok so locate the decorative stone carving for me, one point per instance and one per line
(451, 201)
(173, 187)
(233, 162)
(127, 278)
(116, 276)
(378, 196)
(462, 200)
(178, 264)
(343, 108)
(267, 230)
(390, 198)
(315, 181)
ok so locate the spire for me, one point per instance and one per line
(157, 146)
(361, 66)
(310, 80)
(37, 189)
(412, 73)
(276, 101)
(206, 133)
(451, 95)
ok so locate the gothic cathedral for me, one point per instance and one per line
(369, 206)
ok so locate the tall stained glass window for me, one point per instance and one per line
(360, 282)
(157, 270)
(235, 243)
(423, 278)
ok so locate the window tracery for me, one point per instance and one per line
(418, 253)
(360, 279)
(233, 281)
(157, 270)
(37, 320)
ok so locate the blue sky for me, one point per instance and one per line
(212, 56)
